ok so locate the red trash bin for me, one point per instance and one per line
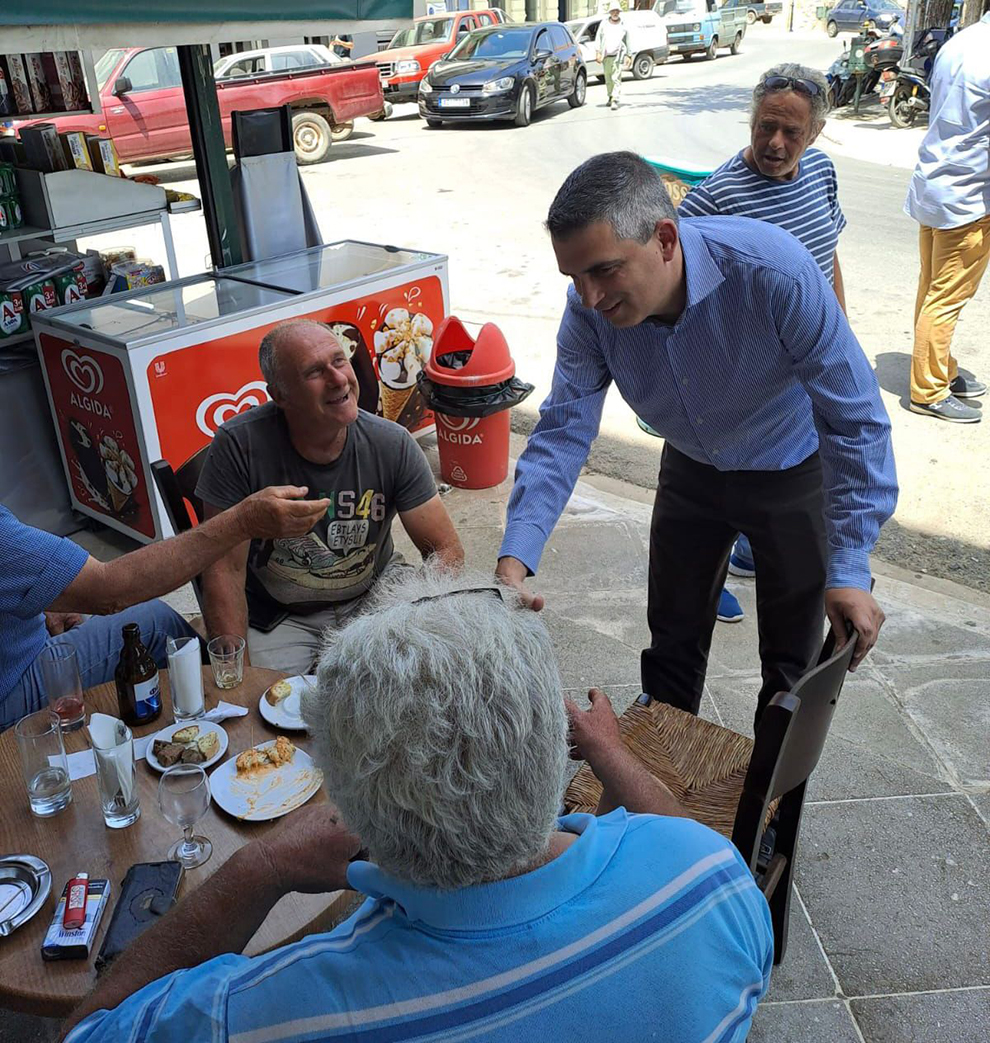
(470, 386)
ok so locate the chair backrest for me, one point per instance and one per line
(187, 478)
(171, 494)
(789, 742)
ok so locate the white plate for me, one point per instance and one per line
(286, 713)
(269, 794)
(167, 733)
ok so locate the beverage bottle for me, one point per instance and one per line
(139, 697)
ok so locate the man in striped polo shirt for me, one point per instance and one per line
(442, 732)
(780, 178)
(723, 335)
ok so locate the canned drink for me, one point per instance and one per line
(8, 180)
(6, 217)
(15, 216)
(13, 319)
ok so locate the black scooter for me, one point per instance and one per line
(908, 96)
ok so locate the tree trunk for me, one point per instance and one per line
(935, 13)
(971, 12)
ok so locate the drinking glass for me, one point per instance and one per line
(63, 687)
(116, 778)
(46, 771)
(185, 678)
(184, 798)
(227, 659)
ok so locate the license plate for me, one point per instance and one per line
(455, 103)
(887, 90)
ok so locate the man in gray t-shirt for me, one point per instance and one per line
(283, 594)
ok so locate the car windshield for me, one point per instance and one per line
(887, 5)
(497, 45)
(106, 65)
(665, 8)
(430, 31)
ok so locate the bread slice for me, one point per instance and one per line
(209, 744)
(187, 734)
(279, 690)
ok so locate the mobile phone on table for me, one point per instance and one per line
(147, 893)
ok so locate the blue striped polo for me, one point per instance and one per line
(645, 928)
(807, 206)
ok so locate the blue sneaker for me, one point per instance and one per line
(741, 559)
(729, 609)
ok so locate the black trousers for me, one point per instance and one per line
(696, 515)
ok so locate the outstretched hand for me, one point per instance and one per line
(512, 572)
(278, 511)
(849, 605)
(595, 730)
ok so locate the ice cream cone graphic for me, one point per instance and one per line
(402, 346)
(394, 400)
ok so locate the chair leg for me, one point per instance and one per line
(780, 913)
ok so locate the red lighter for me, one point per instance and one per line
(75, 903)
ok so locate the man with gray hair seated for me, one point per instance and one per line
(441, 729)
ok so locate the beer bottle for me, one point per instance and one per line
(139, 698)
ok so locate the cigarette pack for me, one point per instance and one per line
(8, 107)
(67, 93)
(41, 96)
(104, 155)
(60, 944)
(43, 148)
(76, 149)
(17, 80)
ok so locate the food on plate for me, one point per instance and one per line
(168, 753)
(187, 734)
(280, 752)
(279, 690)
(209, 744)
(193, 755)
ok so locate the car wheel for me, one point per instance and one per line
(524, 106)
(751, 17)
(434, 124)
(576, 99)
(902, 113)
(311, 137)
(643, 67)
(736, 44)
(712, 51)
(342, 131)
(832, 29)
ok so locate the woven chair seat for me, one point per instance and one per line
(703, 764)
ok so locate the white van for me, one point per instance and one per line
(647, 39)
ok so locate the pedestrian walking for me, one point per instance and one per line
(779, 178)
(611, 49)
(949, 197)
(723, 335)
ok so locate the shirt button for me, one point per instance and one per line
(700, 420)
(684, 381)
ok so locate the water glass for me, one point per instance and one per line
(185, 678)
(116, 778)
(63, 686)
(184, 798)
(46, 771)
(227, 660)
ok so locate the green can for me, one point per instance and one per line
(70, 287)
(13, 317)
(10, 205)
(8, 180)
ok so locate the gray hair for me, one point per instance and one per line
(793, 71)
(268, 349)
(441, 730)
(619, 188)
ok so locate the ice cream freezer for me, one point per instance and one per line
(151, 374)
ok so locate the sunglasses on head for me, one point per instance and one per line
(788, 83)
(452, 593)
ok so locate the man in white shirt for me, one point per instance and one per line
(949, 197)
(611, 48)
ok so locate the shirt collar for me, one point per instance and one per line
(505, 903)
(703, 275)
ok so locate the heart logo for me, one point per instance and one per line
(84, 372)
(213, 411)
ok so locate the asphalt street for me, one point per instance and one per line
(480, 193)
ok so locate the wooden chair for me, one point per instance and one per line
(177, 489)
(736, 785)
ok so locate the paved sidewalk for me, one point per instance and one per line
(870, 136)
(888, 938)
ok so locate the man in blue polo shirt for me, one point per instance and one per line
(46, 581)
(442, 733)
(723, 335)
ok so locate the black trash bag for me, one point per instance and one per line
(472, 401)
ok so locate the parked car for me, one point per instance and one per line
(282, 59)
(407, 59)
(647, 41)
(701, 27)
(144, 107)
(757, 12)
(849, 16)
(505, 72)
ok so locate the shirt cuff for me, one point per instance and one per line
(848, 568)
(524, 541)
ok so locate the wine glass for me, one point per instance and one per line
(184, 798)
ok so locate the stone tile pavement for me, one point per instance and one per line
(890, 931)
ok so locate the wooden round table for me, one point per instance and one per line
(76, 840)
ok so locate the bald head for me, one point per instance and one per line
(281, 338)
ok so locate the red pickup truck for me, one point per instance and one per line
(144, 109)
(408, 58)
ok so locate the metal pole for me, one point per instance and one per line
(210, 153)
(859, 87)
(790, 18)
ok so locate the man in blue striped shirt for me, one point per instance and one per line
(724, 336)
(442, 733)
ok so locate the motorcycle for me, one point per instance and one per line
(906, 92)
(881, 54)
